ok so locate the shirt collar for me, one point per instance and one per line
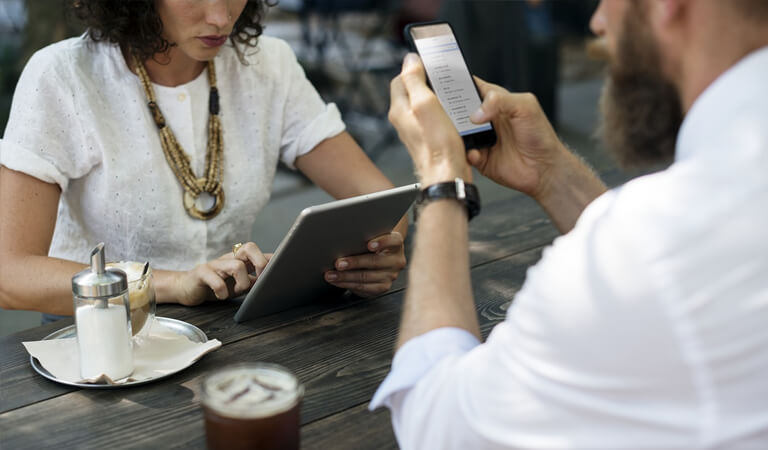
(741, 87)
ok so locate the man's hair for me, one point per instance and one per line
(135, 24)
(752, 9)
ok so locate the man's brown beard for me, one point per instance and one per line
(641, 108)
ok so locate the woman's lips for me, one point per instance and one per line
(213, 41)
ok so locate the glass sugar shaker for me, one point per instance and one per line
(103, 320)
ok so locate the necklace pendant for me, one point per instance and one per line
(190, 204)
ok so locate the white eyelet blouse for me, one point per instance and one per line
(79, 119)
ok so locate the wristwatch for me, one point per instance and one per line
(457, 189)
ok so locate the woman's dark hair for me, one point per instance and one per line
(135, 24)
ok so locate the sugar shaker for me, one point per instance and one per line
(103, 320)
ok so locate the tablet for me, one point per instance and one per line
(321, 234)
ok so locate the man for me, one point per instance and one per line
(645, 325)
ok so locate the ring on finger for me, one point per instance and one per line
(235, 248)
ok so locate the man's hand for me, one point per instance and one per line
(527, 148)
(423, 126)
(530, 158)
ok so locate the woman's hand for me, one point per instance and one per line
(227, 276)
(371, 273)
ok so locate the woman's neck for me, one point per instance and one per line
(171, 69)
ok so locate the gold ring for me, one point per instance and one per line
(236, 247)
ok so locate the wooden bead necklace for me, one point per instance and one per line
(193, 186)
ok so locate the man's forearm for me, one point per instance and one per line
(439, 291)
(571, 186)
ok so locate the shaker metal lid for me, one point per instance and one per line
(98, 281)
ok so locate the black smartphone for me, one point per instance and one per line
(449, 78)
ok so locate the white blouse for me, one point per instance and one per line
(79, 119)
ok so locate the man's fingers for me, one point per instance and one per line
(485, 87)
(477, 157)
(415, 82)
(498, 101)
(399, 102)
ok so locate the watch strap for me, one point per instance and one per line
(457, 189)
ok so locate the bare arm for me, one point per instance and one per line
(439, 291)
(341, 168)
(29, 279)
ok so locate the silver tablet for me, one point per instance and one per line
(321, 234)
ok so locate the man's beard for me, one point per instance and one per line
(641, 108)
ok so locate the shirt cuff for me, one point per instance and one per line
(17, 158)
(326, 125)
(418, 356)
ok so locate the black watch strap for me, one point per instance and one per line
(458, 190)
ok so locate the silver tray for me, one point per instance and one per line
(193, 333)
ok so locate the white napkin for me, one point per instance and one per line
(162, 352)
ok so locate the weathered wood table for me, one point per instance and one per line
(341, 350)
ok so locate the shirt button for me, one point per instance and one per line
(182, 97)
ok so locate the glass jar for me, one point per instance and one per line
(102, 320)
(141, 292)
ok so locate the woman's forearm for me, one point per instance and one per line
(37, 283)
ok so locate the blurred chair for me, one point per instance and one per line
(350, 54)
(510, 43)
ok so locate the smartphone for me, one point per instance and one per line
(449, 78)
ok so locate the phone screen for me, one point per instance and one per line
(448, 74)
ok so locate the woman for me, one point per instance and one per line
(158, 132)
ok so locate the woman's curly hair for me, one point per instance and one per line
(135, 24)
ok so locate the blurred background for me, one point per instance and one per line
(351, 49)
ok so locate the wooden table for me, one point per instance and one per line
(341, 350)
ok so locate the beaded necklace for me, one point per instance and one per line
(193, 186)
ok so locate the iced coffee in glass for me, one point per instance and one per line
(141, 293)
(254, 405)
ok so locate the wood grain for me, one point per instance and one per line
(506, 227)
(340, 356)
(354, 428)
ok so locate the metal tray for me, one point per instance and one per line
(193, 333)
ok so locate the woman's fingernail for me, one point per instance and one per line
(478, 115)
(330, 276)
(374, 245)
(343, 264)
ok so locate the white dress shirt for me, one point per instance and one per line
(80, 119)
(646, 326)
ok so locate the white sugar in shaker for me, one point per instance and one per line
(103, 320)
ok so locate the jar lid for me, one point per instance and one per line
(99, 281)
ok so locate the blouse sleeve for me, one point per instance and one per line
(307, 119)
(45, 135)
